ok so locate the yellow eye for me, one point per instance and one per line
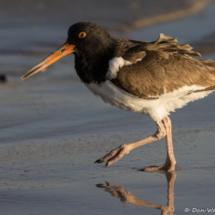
(82, 34)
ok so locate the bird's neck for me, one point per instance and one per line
(92, 66)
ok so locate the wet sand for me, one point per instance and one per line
(53, 129)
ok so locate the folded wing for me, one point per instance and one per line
(151, 70)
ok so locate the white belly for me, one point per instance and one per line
(157, 108)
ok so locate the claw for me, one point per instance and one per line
(100, 160)
(100, 185)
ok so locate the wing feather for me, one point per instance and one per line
(160, 72)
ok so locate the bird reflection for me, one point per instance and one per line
(126, 196)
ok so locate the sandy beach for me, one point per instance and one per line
(53, 128)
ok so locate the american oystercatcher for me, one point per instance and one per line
(152, 78)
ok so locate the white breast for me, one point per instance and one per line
(157, 108)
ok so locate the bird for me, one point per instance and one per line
(152, 78)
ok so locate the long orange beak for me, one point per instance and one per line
(59, 53)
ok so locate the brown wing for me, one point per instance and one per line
(163, 71)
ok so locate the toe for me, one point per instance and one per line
(163, 167)
(114, 155)
(150, 169)
(122, 151)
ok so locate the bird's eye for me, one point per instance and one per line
(82, 34)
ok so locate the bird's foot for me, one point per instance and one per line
(167, 167)
(114, 155)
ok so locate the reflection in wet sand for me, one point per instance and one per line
(126, 196)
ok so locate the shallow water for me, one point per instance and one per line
(53, 129)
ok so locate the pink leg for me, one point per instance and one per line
(170, 159)
(163, 129)
(119, 152)
(170, 153)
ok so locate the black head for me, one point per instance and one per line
(90, 38)
(90, 43)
